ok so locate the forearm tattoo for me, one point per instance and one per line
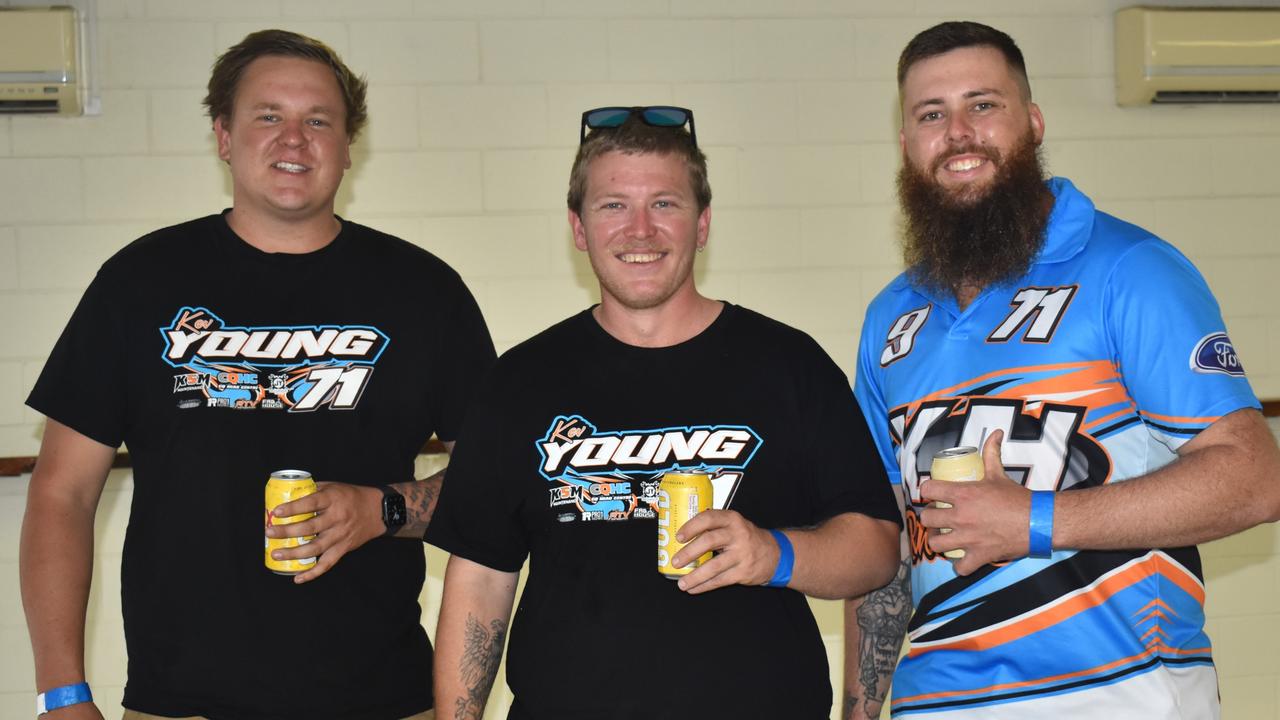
(481, 653)
(419, 503)
(882, 623)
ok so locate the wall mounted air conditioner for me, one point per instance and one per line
(1197, 55)
(38, 62)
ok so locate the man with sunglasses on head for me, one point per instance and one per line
(1089, 362)
(273, 335)
(560, 458)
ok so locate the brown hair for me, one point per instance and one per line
(635, 137)
(948, 36)
(230, 67)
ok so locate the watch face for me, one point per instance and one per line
(393, 512)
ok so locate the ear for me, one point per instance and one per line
(902, 141)
(579, 232)
(1037, 123)
(704, 226)
(223, 135)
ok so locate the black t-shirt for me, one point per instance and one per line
(216, 364)
(560, 458)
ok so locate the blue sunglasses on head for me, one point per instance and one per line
(664, 116)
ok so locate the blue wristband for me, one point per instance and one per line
(786, 560)
(61, 697)
(1040, 527)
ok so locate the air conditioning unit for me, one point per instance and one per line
(1196, 55)
(38, 61)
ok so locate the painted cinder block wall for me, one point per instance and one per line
(474, 116)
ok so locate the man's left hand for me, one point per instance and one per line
(745, 554)
(988, 518)
(347, 516)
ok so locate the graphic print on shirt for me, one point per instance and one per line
(1052, 417)
(614, 475)
(1043, 307)
(297, 369)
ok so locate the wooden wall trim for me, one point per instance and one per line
(14, 466)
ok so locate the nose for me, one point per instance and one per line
(291, 134)
(641, 225)
(959, 130)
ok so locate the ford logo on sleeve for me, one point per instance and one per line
(1215, 354)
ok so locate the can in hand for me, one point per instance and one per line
(286, 486)
(957, 464)
(681, 495)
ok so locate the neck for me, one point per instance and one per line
(966, 294)
(277, 235)
(663, 326)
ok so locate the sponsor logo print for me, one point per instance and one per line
(1216, 354)
(309, 368)
(614, 476)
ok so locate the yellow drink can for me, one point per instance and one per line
(681, 496)
(286, 486)
(957, 464)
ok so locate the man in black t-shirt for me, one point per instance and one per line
(276, 335)
(561, 455)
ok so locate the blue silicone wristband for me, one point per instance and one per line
(61, 697)
(786, 560)
(1040, 527)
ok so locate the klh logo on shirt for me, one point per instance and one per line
(1043, 447)
(614, 475)
(294, 368)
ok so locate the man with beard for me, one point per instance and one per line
(1077, 351)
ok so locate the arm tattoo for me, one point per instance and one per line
(882, 622)
(481, 652)
(419, 503)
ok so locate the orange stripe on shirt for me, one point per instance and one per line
(1074, 605)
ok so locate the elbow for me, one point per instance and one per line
(888, 558)
(874, 560)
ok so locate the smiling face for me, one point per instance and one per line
(641, 227)
(285, 142)
(963, 113)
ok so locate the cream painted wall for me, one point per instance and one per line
(474, 108)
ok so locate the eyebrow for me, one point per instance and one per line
(323, 109)
(979, 92)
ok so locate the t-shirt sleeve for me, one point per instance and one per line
(846, 469)
(83, 383)
(1171, 344)
(870, 396)
(465, 354)
(478, 514)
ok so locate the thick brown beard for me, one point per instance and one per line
(966, 239)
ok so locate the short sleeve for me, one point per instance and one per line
(845, 466)
(84, 383)
(1171, 343)
(478, 514)
(466, 354)
(870, 396)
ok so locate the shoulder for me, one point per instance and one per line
(558, 342)
(388, 248)
(1133, 255)
(164, 250)
(766, 339)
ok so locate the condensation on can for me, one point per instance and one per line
(957, 464)
(286, 486)
(681, 496)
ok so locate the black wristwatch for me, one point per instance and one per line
(394, 515)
